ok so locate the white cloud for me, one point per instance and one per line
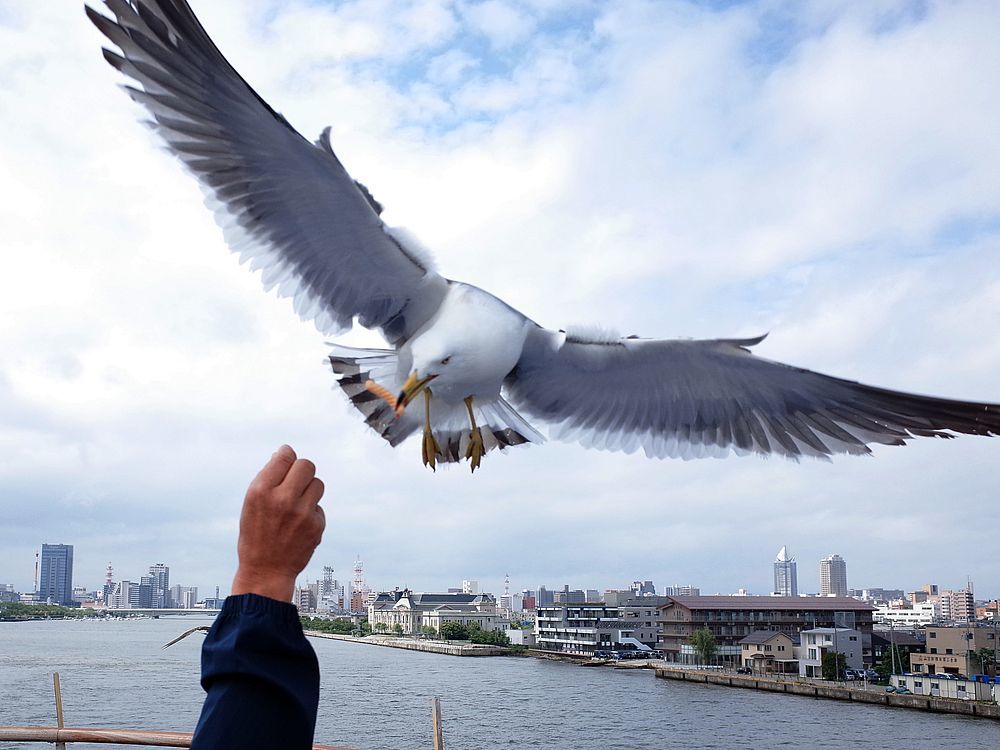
(656, 167)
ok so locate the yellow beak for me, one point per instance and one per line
(411, 389)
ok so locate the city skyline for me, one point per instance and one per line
(496, 583)
(827, 173)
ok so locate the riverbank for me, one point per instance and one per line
(834, 692)
(409, 644)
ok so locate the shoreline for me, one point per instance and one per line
(431, 647)
(926, 703)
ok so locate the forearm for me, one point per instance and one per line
(261, 677)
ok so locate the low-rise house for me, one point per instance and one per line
(816, 642)
(769, 651)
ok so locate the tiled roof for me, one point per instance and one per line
(761, 636)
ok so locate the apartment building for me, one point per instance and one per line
(732, 618)
(583, 628)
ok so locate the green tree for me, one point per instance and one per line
(704, 644)
(982, 658)
(397, 629)
(454, 631)
(429, 630)
(833, 665)
(885, 666)
(381, 627)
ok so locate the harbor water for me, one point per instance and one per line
(114, 674)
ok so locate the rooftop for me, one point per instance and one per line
(825, 603)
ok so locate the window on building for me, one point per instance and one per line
(932, 634)
(949, 651)
(961, 688)
(933, 649)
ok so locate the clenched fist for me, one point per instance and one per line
(280, 527)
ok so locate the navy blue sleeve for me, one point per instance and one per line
(261, 677)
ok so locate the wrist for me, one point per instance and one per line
(264, 583)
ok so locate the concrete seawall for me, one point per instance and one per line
(431, 647)
(834, 692)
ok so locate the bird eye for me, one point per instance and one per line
(446, 360)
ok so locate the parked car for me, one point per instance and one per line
(850, 674)
(744, 670)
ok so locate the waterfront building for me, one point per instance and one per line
(8, 594)
(949, 650)
(786, 581)
(816, 642)
(414, 611)
(583, 627)
(768, 651)
(967, 690)
(56, 581)
(833, 576)
(731, 618)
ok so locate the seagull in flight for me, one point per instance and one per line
(472, 362)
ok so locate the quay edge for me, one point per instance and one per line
(834, 692)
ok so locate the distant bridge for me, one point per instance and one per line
(158, 612)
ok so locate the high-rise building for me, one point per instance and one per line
(681, 591)
(643, 588)
(833, 576)
(159, 595)
(544, 597)
(470, 587)
(55, 583)
(786, 581)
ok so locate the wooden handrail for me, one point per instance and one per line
(109, 736)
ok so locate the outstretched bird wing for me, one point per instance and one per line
(689, 399)
(285, 204)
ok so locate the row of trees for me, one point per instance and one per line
(20, 611)
(450, 631)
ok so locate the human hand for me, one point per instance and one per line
(280, 526)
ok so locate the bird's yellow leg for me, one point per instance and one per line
(475, 450)
(430, 449)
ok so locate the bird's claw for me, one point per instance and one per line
(474, 452)
(430, 450)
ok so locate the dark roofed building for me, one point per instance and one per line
(732, 618)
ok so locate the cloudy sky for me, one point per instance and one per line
(828, 172)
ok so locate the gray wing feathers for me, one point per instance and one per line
(706, 398)
(286, 205)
